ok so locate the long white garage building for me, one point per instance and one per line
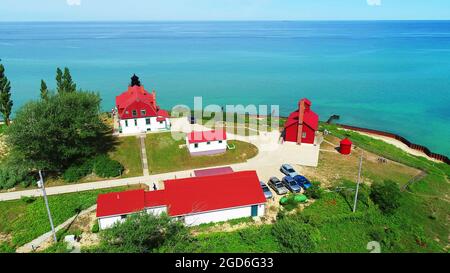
(195, 200)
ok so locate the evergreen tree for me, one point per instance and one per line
(44, 90)
(69, 85)
(59, 81)
(5, 96)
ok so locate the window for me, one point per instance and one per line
(126, 123)
(134, 113)
(161, 122)
(143, 112)
(123, 216)
(147, 121)
(303, 134)
(196, 145)
(135, 122)
(207, 143)
(220, 141)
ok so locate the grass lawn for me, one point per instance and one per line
(128, 154)
(21, 222)
(165, 155)
(334, 167)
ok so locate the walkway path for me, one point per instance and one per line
(39, 241)
(144, 155)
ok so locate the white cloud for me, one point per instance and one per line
(73, 2)
(374, 2)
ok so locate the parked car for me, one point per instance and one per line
(277, 186)
(291, 184)
(288, 170)
(266, 190)
(303, 181)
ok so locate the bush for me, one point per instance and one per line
(315, 191)
(12, 175)
(295, 236)
(28, 199)
(144, 233)
(386, 195)
(95, 228)
(107, 167)
(76, 172)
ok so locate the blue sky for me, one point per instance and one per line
(77, 10)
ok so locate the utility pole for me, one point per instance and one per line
(41, 185)
(357, 184)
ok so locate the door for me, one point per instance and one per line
(254, 210)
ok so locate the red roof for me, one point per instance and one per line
(204, 136)
(188, 195)
(138, 99)
(155, 198)
(199, 194)
(311, 119)
(118, 203)
(346, 141)
(213, 171)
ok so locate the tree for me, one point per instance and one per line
(6, 103)
(69, 85)
(44, 90)
(64, 82)
(59, 81)
(386, 195)
(63, 130)
(144, 233)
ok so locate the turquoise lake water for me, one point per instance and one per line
(393, 76)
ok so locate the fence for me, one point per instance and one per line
(411, 145)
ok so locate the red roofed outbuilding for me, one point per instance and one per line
(194, 200)
(207, 142)
(302, 124)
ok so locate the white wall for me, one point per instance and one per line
(108, 222)
(204, 147)
(221, 215)
(142, 126)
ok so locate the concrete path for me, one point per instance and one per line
(39, 241)
(144, 155)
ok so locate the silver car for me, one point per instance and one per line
(288, 170)
(266, 190)
(277, 186)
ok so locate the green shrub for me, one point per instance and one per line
(107, 167)
(295, 236)
(386, 195)
(315, 191)
(28, 199)
(12, 175)
(76, 172)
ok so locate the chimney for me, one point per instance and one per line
(154, 98)
(302, 105)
